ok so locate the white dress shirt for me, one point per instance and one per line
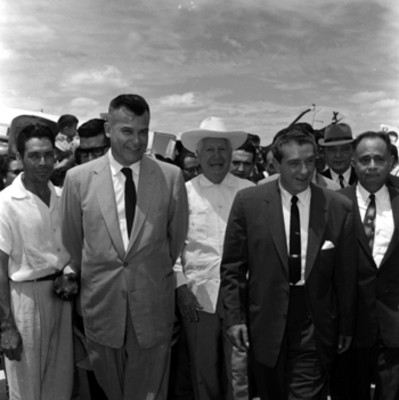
(118, 180)
(384, 224)
(346, 175)
(209, 208)
(304, 212)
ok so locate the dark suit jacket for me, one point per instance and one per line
(378, 289)
(139, 280)
(352, 178)
(255, 243)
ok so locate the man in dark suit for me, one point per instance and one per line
(375, 347)
(289, 275)
(337, 152)
(125, 218)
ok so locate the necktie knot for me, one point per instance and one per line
(294, 200)
(127, 172)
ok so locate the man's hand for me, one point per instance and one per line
(188, 304)
(11, 341)
(238, 334)
(66, 286)
(344, 342)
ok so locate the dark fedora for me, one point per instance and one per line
(337, 134)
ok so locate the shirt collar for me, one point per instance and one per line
(346, 175)
(116, 166)
(303, 197)
(361, 192)
(20, 191)
(227, 181)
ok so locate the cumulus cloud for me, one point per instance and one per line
(108, 75)
(180, 100)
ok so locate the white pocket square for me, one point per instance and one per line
(327, 245)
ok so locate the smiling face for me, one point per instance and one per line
(372, 161)
(128, 134)
(38, 160)
(214, 156)
(296, 166)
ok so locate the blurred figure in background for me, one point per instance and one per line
(243, 161)
(189, 164)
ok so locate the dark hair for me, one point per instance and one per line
(133, 102)
(91, 128)
(373, 135)
(33, 131)
(66, 120)
(394, 153)
(393, 133)
(182, 156)
(297, 133)
(249, 148)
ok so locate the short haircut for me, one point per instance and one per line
(66, 121)
(373, 135)
(133, 102)
(91, 128)
(249, 148)
(296, 133)
(33, 131)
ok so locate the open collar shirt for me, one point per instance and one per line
(209, 208)
(30, 232)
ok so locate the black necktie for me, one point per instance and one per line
(369, 221)
(341, 181)
(295, 243)
(130, 198)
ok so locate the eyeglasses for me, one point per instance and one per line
(94, 151)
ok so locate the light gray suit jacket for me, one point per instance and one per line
(115, 281)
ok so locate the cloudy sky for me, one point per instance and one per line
(258, 63)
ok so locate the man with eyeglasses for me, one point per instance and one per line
(93, 141)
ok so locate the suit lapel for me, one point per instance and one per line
(317, 225)
(145, 194)
(394, 195)
(106, 199)
(275, 221)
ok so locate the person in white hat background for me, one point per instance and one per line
(337, 150)
(210, 196)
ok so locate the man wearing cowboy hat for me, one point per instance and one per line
(210, 196)
(337, 146)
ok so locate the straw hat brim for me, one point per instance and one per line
(190, 139)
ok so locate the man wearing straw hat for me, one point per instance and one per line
(210, 196)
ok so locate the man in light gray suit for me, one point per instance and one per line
(124, 222)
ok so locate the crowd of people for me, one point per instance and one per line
(240, 272)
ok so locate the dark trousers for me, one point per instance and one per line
(363, 366)
(299, 373)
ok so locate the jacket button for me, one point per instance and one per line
(125, 264)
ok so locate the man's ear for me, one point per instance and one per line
(107, 128)
(19, 157)
(276, 165)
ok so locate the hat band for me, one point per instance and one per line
(336, 139)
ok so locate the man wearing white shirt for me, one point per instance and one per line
(337, 151)
(289, 275)
(375, 347)
(210, 196)
(124, 220)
